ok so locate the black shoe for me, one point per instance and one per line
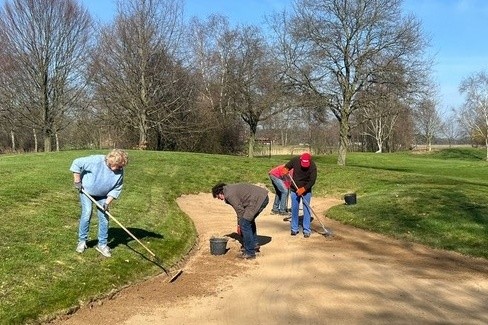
(275, 212)
(245, 256)
(294, 233)
(283, 213)
(306, 235)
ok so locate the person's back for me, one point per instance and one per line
(248, 202)
(281, 184)
(245, 198)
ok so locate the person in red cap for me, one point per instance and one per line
(304, 177)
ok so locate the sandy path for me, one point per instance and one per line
(355, 277)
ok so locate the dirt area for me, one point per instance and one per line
(355, 277)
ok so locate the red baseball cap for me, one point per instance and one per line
(305, 159)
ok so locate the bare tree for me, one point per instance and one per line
(239, 75)
(380, 117)
(382, 103)
(280, 127)
(255, 82)
(450, 127)
(427, 121)
(473, 115)
(213, 45)
(138, 72)
(45, 46)
(335, 49)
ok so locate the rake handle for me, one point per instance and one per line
(304, 201)
(113, 218)
(308, 206)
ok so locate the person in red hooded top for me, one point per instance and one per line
(281, 184)
(304, 177)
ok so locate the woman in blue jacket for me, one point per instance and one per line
(102, 177)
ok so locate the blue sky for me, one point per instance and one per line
(457, 29)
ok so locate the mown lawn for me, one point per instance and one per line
(436, 199)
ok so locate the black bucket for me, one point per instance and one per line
(218, 246)
(350, 198)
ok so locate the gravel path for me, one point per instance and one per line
(355, 277)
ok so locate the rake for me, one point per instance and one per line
(156, 260)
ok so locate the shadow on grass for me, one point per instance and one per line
(152, 259)
(118, 236)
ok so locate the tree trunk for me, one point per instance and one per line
(100, 140)
(143, 131)
(36, 148)
(343, 142)
(47, 143)
(486, 146)
(12, 136)
(379, 143)
(57, 141)
(252, 140)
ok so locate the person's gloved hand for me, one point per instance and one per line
(300, 191)
(105, 207)
(78, 186)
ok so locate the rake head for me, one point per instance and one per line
(326, 233)
(172, 277)
(175, 276)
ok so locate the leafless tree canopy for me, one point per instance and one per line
(330, 74)
(239, 73)
(474, 113)
(213, 44)
(44, 53)
(379, 114)
(335, 49)
(138, 75)
(428, 120)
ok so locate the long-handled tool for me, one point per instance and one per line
(327, 232)
(156, 261)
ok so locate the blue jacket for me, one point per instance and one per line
(97, 178)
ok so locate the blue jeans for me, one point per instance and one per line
(249, 231)
(281, 193)
(86, 211)
(295, 204)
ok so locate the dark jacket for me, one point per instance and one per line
(246, 199)
(303, 177)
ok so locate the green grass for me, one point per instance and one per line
(437, 199)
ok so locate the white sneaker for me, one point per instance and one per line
(104, 250)
(81, 247)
